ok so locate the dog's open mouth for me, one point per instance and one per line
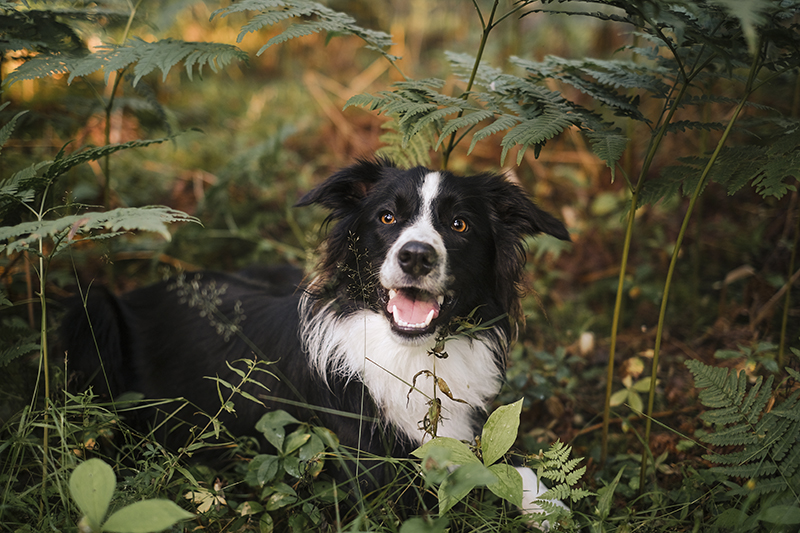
(413, 310)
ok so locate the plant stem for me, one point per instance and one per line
(654, 144)
(674, 259)
(488, 25)
(788, 299)
(109, 109)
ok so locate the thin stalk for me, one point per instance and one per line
(110, 107)
(788, 298)
(654, 144)
(674, 259)
(488, 25)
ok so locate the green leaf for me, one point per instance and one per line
(606, 496)
(458, 452)
(461, 482)
(618, 398)
(508, 485)
(151, 218)
(271, 425)
(295, 440)
(8, 128)
(781, 514)
(146, 57)
(91, 486)
(146, 516)
(500, 432)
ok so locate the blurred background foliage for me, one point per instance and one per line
(250, 137)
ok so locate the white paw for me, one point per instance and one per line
(532, 489)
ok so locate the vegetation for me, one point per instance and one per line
(143, 141)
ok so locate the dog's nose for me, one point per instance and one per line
(417, 258)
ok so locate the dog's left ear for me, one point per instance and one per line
(519, 215)
(516, 216)
(344, 190)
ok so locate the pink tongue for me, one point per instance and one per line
(412, 308)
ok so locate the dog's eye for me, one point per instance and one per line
(460, 225)
(388, 218)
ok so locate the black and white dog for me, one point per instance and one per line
(411, 252)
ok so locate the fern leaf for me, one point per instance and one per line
(502, 123)
(535, 131)
(316, 18)
(767, 452)
(8, 128)
(146, 57)
(155, 218)
(409, 152)
(608, 146)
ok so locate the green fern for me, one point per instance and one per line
(316, 18)
(23, 186)
(766, 452)
(144, 56)
(24, 236)
(406, 152)
(555, 464)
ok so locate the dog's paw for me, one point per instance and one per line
(532, 490)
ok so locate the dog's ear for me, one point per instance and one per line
(519, 216)
(346, 188)
(516, 216)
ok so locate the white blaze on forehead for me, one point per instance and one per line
(428, 192)
(421, 229)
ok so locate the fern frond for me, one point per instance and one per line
(146, 57)
(766, 440)
(536, 131)
(408, 152)
(316, 18)
(154, 218)
(557, 466)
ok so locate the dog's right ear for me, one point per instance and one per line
(343, 191)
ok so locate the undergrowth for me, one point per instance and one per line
(687, 73)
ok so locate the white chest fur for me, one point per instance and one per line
(363, 345)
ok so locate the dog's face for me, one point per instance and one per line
(424, 247)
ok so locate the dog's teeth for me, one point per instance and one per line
(440, 299)
(428, 319)
(392, 294)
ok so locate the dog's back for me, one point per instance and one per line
(166, 340)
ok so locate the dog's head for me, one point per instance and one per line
(424, 247)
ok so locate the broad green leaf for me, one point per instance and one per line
(92, 485)
(271, 425)
(508, 485)
(781, 514)
(146, 516)
(461, 482)
(500, 432)
(459, 453)
(295, 440)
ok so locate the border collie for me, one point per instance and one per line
(411, 254)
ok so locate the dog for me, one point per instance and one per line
(364, 345)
